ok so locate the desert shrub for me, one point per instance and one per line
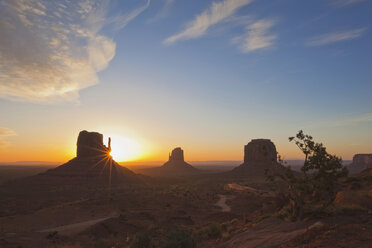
(52, 235)
(142, 240)
(109, 242)
(212, 231)
(315, 189)
(356, 185)
(63, 246)
(177, 237)
(353, 179)
(262, 217)
(102, 244)
(165, 237)
(368, 179)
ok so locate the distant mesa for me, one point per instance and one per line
(360, 162)
(177, 162)
(93, 161)
(259, 155)
(175, 166)
(363, 159)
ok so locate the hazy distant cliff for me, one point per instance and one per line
(360, 162)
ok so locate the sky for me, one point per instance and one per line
(207, 76)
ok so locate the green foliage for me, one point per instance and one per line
(177, 237)
(62, 246)
(214, 231)
(142, 240)
(356, 185)
(167, 237)
(315, 188)
(108, 241)
(101, 244)
(262, 217)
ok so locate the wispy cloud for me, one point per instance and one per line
(342, 3)
(354, 120)
(163, 12)
(123, 20)
(50, 50)
(329, 38)
(216, 13)
(257, 36)
(4, 132)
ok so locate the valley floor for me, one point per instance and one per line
(214, 211)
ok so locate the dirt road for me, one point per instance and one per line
(76, 227)
(222, 203)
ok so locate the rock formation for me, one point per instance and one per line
(364, 159)
(360, 162)
(260, 151)
(92, 174)
(259, 155)
(177, 155)
(93, 161)
(90, 144)
(175, 166)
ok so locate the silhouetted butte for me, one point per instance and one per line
(93, 160)
(175, 166)
(259, 155)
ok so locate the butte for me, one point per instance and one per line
(259, 155)
(93, 162)
(175, 166)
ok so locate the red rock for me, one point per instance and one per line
(260, 150)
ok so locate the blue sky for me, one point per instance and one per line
(205, 75)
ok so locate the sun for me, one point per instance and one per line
(124, 148)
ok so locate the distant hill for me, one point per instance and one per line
(31, 163)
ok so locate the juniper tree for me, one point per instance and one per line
(315, 187)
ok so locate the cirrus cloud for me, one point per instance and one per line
(257, 36)
(50, 50)
(343, 3)
(334, 37)
(163, 12)
(216, 13)
(5, 132)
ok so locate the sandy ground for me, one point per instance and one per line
(222, 203)
(76, 227)
(239, 187)
(269, 233)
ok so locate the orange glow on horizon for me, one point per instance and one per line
(128, 146)
(125, 149)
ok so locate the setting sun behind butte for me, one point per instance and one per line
(124, 148)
